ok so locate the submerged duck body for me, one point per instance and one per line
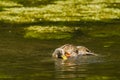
(68, 50)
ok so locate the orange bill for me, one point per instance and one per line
(67, 54)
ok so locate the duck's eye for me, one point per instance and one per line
(76, 51)
(87, 50)
(59, 55)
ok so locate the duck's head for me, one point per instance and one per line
(61, 54)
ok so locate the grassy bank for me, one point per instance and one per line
(55, 14)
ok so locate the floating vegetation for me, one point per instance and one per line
(8, 3)
(50, 32)
(55, 13)
(52, 29)
(68, 10)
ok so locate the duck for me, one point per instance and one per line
(69, 50)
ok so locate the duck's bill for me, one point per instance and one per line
(67, 54)
(64, 57)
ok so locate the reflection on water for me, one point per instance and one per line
(74, 68)
(79, 60)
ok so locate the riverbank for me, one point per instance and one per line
(58, 19)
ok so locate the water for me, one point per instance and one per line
(30, 59)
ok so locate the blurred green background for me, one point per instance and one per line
(61, 19)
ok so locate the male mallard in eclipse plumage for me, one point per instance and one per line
(66, 51)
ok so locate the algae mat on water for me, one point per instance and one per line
(50, 32)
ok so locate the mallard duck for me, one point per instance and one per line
(68, 50)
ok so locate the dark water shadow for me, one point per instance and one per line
(33, 3)
(61, 23)
(113, 5)
(1, 9)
